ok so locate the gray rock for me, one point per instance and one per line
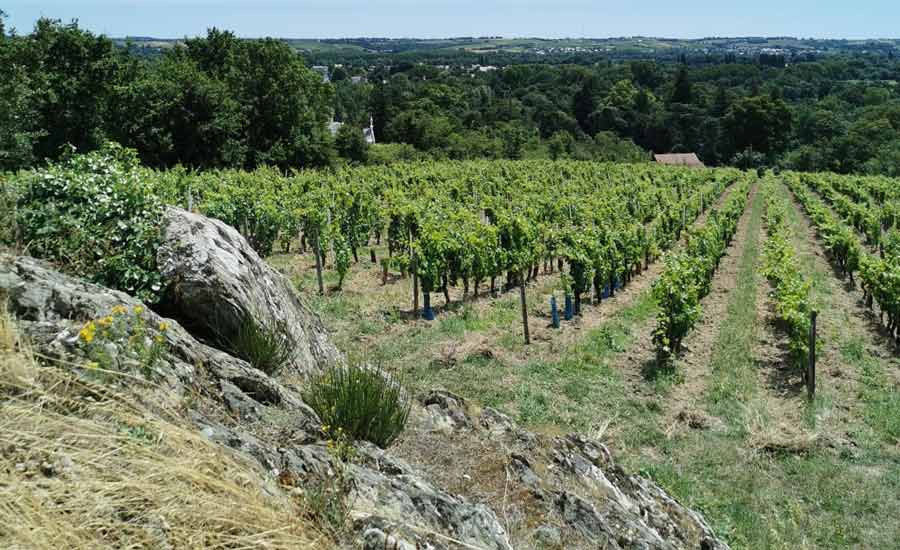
(418, 509)
(547, 535)
(215, 279)
(52, 307)
(446, 411)
(239, 403)
(376, 539)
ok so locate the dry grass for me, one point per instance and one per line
(85, 465)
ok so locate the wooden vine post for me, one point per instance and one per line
(415, 277)
(811, 366)
(318, 254)
(524, 306)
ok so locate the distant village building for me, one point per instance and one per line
(357, 79)
(334, 126)
(679, 159)
(368, 133)
(322, 70)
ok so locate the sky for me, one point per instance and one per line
(446, 18)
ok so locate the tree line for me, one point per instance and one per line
(222, 102)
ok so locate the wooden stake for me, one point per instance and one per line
(524, 306)
(811, 367)
(318, 252)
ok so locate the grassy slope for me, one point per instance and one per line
(87, 465)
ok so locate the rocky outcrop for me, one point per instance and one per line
(242, 408)
(215, 280)
(569, 485)
(51, 309)
(460, 477)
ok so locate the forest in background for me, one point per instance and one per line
(223, 102)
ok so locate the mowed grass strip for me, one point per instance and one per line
(835, 485)
(734, 380)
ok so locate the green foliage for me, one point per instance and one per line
(137, 345)
(390, 153)
(363, 402)
(560, 145)
(780, 266)
(236, 198)
(217, 101)
(869, 206)
(760, 123)
(678, 295)
(687, 274)
(351, 144)
(98, 216)
(839, 239)
(263, 347)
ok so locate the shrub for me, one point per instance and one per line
(98, 216)
(264, 348)
(8, 230)
(363, 402)
(123, 338)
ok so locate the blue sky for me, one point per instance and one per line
(441, 18)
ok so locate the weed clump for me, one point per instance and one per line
(365, 403)
(254, 342)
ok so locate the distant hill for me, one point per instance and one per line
(622, 47)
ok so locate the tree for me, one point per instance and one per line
(584, 103)
(285, 106)
(759, 123)
(720, 103)
(339, 74)
(172, 112)
(19, 128)
(351, 144)
(560, 144)
(682, 91)
(646, 73)
(514, 138)
(72, 74)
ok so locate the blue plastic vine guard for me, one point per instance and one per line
(570, 311)
(554, 312)
(428, 314)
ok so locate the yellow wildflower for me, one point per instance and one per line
(87, 333)
(159, 339)
(163, 326)
(119, 310)
(138, 310)
(106, 321)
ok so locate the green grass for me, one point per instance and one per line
(830, 496)
(359, 402)
(734, 378)
(265, 348)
